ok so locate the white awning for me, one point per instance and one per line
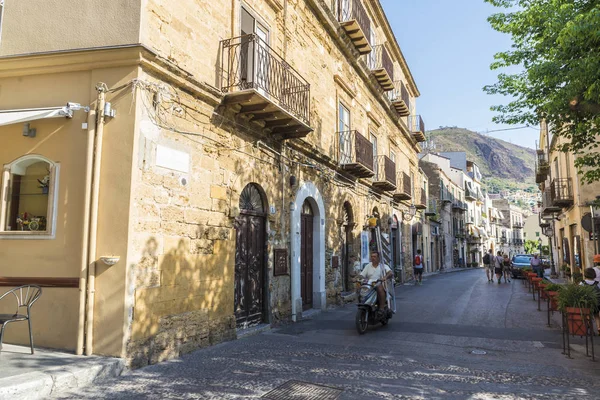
(9, 117)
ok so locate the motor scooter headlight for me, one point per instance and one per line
(364, 290)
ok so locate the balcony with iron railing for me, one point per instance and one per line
(517, 242)
(470, 194)
(518, 225)
(400, 99)
(416, 127)
(261, 85)
(385, 174)
(354, 19)
(460, 232)
(459, 205)
(432, 208)
(542, 168)
(547, 206)
(469, 219)
(404, 187)
(355, 154)
(381, 65)
(561, 192)
(421, 201)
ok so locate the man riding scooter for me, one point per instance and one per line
(373, 272)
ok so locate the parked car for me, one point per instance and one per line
(519, 262)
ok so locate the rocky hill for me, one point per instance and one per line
(498, 160)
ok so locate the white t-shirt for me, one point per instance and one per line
(373, 273)
(597, 269)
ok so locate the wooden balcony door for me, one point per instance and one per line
(345, 135)
(254, 55)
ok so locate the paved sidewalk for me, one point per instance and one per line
(48, 372)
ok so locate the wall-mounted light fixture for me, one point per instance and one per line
(410, 213)
(28, 130)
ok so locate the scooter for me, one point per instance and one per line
(368, 312)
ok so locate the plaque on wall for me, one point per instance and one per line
(280, 261)
(335, 261)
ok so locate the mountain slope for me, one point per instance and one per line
(496, 158)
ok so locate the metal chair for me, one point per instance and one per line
(25, 295)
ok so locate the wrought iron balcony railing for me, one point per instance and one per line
(380, 63)
(400, 98)
(561, 192)
(416, 126)
(354, 19)
(355, 154)
(518, 225)
(404, 187)
(459, 205)
(542, 167)
(385, 173)
(432, 208)
(255, 76)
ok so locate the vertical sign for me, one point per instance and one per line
(364, 248)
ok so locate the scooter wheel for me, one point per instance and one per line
(384, 321)
(361, 321)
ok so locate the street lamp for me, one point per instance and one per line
(408, 215)
(549, 232)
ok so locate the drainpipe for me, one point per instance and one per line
(86, 226)
(93, 223)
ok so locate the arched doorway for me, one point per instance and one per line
(307, 218)
(249, 286)
(395, 244)
(347, 245)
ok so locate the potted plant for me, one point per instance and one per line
(552, 290)
(577, 301)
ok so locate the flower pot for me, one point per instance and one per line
(553, 302)
(536, 282)
(543, 291)
(576, 320)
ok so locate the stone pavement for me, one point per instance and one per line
(47, 372)
(454, 337)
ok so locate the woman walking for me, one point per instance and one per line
(506, 268)
(498, 261)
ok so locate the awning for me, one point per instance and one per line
(9, 117)
(475, 232)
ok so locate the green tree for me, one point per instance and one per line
(556, 48)
(532, 246)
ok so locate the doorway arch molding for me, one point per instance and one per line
(308, 192)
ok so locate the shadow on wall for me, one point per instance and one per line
(183, 298)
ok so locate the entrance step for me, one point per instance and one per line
(254, 330)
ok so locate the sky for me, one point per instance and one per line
(449, 46)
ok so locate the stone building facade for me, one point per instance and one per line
(565, 202)
(251, 142)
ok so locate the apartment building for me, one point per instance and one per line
(511, 240)
(567, 205)
(175, 174)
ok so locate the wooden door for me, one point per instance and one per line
(306, 256)
(249, 260)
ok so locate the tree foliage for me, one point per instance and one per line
(556, 47)
(532, 246)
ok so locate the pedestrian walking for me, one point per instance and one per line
(536, 266)
(506, 268)
(418, 268)
(488, 266)
(498, 261)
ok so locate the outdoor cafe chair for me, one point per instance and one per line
(25, 296)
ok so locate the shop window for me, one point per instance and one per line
(29, 187)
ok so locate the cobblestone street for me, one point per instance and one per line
(424, 353)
